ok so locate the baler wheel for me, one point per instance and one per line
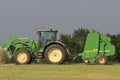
(22, 57)
(101, 59)
(55, 54)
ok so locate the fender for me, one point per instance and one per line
(57, 42)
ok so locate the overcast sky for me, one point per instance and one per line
(23, 17)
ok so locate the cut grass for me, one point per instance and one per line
(59, 72)
(3, 56)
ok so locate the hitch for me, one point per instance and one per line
(77, 57)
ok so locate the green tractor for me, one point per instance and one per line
(24, 50)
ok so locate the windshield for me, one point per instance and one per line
(47, 37)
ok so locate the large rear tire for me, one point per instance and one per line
(55, 54)
(22, 57)
(101, 59)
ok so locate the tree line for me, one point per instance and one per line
(76, 41)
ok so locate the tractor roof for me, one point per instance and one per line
(46, 30)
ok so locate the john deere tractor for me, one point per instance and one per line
(24, 50)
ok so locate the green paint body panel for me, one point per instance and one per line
(14, 43)
(96, 44)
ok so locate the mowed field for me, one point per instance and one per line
(59, 72)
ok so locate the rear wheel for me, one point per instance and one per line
(55, 54)
(22, 57)
(101, 59)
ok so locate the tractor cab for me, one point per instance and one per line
(46, 36)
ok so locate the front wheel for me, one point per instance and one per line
(22, 57)
(55, 54)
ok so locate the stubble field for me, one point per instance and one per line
(59, 72)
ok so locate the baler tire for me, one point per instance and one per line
(55, 54)
(22, 57)
(101, 59)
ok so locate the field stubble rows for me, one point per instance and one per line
(59, 72)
